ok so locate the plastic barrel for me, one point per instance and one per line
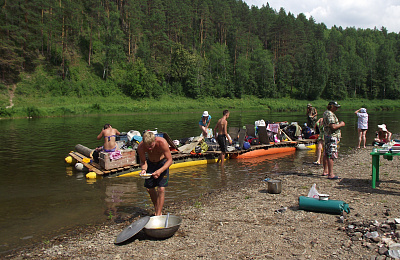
(326, 206)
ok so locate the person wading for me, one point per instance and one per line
(158, 161)
(221, 130)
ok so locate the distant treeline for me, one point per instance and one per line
(190, 48)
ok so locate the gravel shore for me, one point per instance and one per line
(247, 222)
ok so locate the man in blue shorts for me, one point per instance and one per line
(158, 161)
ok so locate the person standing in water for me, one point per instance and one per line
(221, 131)
(319, 127)
(362, 125)
(158, 161)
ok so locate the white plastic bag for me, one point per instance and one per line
(259, 123)
(313, 193)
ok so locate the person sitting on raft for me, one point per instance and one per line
(383, 136)
(109, 135)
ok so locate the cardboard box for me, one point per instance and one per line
(128, 158)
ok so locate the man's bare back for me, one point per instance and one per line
(222, 130)
(222, 126)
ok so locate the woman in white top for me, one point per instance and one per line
(362, 125)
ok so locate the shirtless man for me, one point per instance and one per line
(221, 129)
(109, 135)
(158, 163)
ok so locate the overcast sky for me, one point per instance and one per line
(346, 13)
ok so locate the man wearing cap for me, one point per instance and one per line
(311, 115)
(331, 138)
(204, 123)
(383, 135)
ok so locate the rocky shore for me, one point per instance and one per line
(247, 222)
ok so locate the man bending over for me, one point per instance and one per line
(158, 161)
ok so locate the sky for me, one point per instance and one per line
(346, 13)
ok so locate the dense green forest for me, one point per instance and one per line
(189, 48)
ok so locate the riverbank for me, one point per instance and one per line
(50, 106)
(247, 222)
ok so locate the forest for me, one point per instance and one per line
(189, 48)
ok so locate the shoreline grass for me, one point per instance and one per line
(118, 104)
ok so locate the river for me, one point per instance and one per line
(41, 196)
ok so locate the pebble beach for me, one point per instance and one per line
(247, 222)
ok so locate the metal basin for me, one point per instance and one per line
(156, 226)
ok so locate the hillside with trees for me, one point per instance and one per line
(189, 48)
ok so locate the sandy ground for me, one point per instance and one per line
(247, 222)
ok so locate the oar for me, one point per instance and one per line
(281, 131)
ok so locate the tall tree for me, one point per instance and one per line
(112, 40)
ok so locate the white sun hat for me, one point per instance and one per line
(383, 127)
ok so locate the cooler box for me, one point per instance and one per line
(128, 158)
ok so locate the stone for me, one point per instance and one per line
(382, 250)
(347, 243)
(358, 234)
(371, 246)
(390, 221)
(394, 254)
(373, 228)
(371, 234)
(394, 246)
(376, 239)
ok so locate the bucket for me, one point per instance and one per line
(274, 186)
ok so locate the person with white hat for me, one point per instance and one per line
(362, 125)
(204, 123)
(383, 135)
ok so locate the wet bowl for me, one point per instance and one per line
(156, 226)
(145, 176)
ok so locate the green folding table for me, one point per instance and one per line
(375, 163)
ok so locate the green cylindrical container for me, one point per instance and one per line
(326, 206)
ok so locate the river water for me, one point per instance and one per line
(41, 196)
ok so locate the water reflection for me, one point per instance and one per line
(119, 195)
